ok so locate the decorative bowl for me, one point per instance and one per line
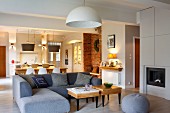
(108, 85)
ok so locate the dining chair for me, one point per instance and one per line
(30, 71)
(45, 65)
(34, 65)
(42, 71)
(56, 70)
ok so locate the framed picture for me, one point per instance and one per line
(111, 41)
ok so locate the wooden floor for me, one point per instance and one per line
(157, 105)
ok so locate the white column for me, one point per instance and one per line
(12, 53)
(44, 50)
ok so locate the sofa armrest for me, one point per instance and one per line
(96, 81)
(21, 88)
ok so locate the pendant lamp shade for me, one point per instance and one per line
(83, 17)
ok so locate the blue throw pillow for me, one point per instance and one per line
(40, 82)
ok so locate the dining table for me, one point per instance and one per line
(49, 70)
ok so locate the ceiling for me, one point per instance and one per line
(33, 31)
(61, 8)
(117, 10)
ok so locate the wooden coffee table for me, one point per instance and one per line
(107, 91)
(79, 93)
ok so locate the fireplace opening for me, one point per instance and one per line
(155, 76)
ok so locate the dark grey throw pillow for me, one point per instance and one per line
(59, 79)
(28, 78)
(82, 79)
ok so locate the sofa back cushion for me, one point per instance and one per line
(83, 79)
(48, 78)
(28, 78)
(72, 77)
(59, 79)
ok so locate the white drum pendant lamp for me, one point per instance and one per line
(83, 17)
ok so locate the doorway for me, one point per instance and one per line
(2, 61)
(137, 62)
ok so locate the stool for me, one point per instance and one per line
(135, 103)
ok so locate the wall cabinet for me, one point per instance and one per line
(147, 51)
(162, 21)
(77, 57)
(162, 47)
(77, 53)
(147, 20)
(155, 49)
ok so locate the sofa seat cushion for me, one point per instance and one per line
(62, 90)
(44, 101)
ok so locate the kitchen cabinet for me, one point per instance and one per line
(77, 55)
(162, 47)
(147, 22)
(147, 51)
(162, 23)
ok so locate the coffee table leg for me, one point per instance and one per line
(69, 98)
(96, 102)
(108, 97)
(86, 100)
(103, 100)
(119, 97)
(77, 104)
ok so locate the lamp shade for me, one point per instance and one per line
(111, 56)
(53, 48)
(12, 44)
(28, 47)
(83, 17)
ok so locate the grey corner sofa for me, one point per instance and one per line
(45, 100)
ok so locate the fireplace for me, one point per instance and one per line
(155, 76)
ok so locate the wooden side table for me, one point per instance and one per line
(107, 91)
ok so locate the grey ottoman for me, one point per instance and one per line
(135, 103)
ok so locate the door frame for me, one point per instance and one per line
(134, 37)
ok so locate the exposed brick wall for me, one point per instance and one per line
(87, 52)
(91, 57)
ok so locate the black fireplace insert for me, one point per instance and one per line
(155, 76)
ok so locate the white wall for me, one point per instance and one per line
(130, 33)
(65, 45)
(22, 38)
(119, 30)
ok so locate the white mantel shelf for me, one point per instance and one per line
(111, 68)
